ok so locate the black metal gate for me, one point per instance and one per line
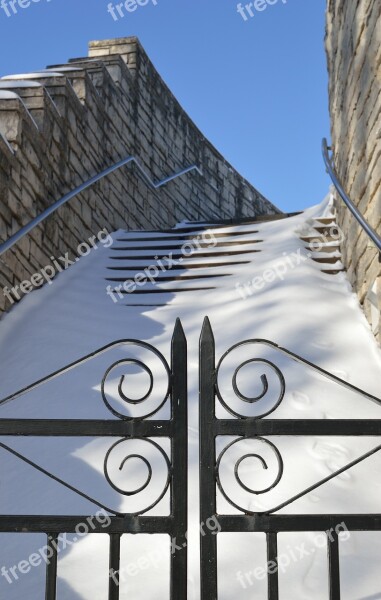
(174, 429)
(245, 428)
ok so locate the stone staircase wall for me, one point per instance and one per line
(59, 128)
(353, 44)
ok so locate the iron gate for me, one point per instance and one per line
(175, 525)
(212, 427)
(243, 428)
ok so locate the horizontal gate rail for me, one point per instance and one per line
(127, 428)
(260, 523)
(348, 427)
(67, 524)
(68, 427)
(289, 523)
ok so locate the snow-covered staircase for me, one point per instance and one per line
(323, 239)
(197, 256)
(254, 280)
(186, 259)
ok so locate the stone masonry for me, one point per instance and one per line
(353, 45)
(59, 128)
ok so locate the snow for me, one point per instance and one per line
(19, 83)
(311, 313)
(36, 75)
(5, 95)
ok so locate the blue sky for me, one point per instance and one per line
(257, 88)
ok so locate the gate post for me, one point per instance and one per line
(179, 456)
(207, 462)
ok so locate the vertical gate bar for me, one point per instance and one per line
(209, 588)
(114, 566)
(179, 459)
(272, 566)
(51, 568)
(333, 565)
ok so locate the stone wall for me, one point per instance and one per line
(353, 45)
(60, 127)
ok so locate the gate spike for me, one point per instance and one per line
(178, 332)
(207, 335)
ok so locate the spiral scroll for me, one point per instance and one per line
(147, 452)
(117, 395)
(231, 462)
(269, 387)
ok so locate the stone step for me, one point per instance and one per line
(183, 237)
(325, 240)
(327, 260)
(139, 268)
(205, 245)
(326, 220)
(161, 279)
(325, 249)
(326, 230)
(183, 257)
(332, 271)
(157, 290)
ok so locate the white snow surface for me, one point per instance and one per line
(311, 313)
(6, 95)
(18, 83)
(36, 75)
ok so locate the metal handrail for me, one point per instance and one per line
(130, 159)
(376, 239)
